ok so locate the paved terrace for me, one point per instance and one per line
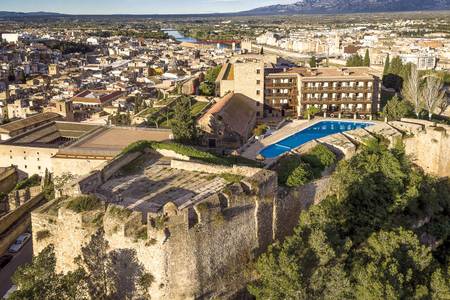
(155, 183)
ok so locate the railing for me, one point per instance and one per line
(356, 89)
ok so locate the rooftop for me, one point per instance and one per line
(149, 182)
(34, 120)
(52, 134)
(109, 141)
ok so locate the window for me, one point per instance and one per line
(258, 82)
(39, 167)
(258, 92)
(258, 71)
(25, 166)
(257, 103)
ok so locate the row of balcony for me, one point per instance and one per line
(360, 89)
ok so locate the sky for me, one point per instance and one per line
(135, 6)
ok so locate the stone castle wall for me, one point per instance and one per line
(196, 252)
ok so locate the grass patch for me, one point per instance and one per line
(119, 212)
(232, 178)
(84, 203)
(141, 234)
(192, 153)
(42, 235)
(197, 108)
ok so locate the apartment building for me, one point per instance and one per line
(245, 78)
(344, 91)
(289, 92)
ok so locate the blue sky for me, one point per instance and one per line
(134, 6)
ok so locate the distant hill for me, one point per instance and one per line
(348, 6)
(12, 14)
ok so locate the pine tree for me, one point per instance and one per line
(96, 261)
(183, 124)
(367, 59)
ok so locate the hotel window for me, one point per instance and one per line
(258, 71)
(258, 92)
(258, 82)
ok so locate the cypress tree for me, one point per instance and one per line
(367, 59)
(386, 65)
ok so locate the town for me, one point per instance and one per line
(227, 156)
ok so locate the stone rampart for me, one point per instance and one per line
(213, 169)
(8, 179)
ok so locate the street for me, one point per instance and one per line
(24, 256)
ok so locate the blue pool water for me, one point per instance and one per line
(316, 131)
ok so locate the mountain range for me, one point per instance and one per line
(348, 6)
(301, 7)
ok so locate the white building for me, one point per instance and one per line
(10, 37)
(423, 61)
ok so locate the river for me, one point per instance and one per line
(178, 36)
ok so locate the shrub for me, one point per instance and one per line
(84, 203)
(300, 175)
(260, 129)
(320, 157)
(119, 212)
(286, 166)
(34, 180)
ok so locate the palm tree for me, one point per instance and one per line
(433, 93)
(411, 90)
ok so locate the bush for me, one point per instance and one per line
(320, 157)
(286, 166)
(260, 130)
(310, 111)
(34, 180)
(84, 203)
(300, 176)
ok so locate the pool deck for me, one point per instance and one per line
(291, 128)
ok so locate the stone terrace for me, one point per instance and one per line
(149, 183)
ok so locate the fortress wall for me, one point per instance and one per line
(289, 205)
(430, 150)
(195, 252)
(212, 169)
(8, 179)
(77, 167)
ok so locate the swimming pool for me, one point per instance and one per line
(316, 131)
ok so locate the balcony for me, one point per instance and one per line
(330, 89)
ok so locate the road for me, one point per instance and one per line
(23, 257)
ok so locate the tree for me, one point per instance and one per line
(300, 175)
(97, 262)
(396, 65)
(392, 265)
(355, 61)
(433, 94)
(183, 124)
(39, 280)
(155, 119)
(366, 61)
(313, 62)
(395, 109)
(411, 90)
(361, 242)
(386, 65)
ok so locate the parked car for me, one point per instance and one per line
(19, 243)
(4, 260)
